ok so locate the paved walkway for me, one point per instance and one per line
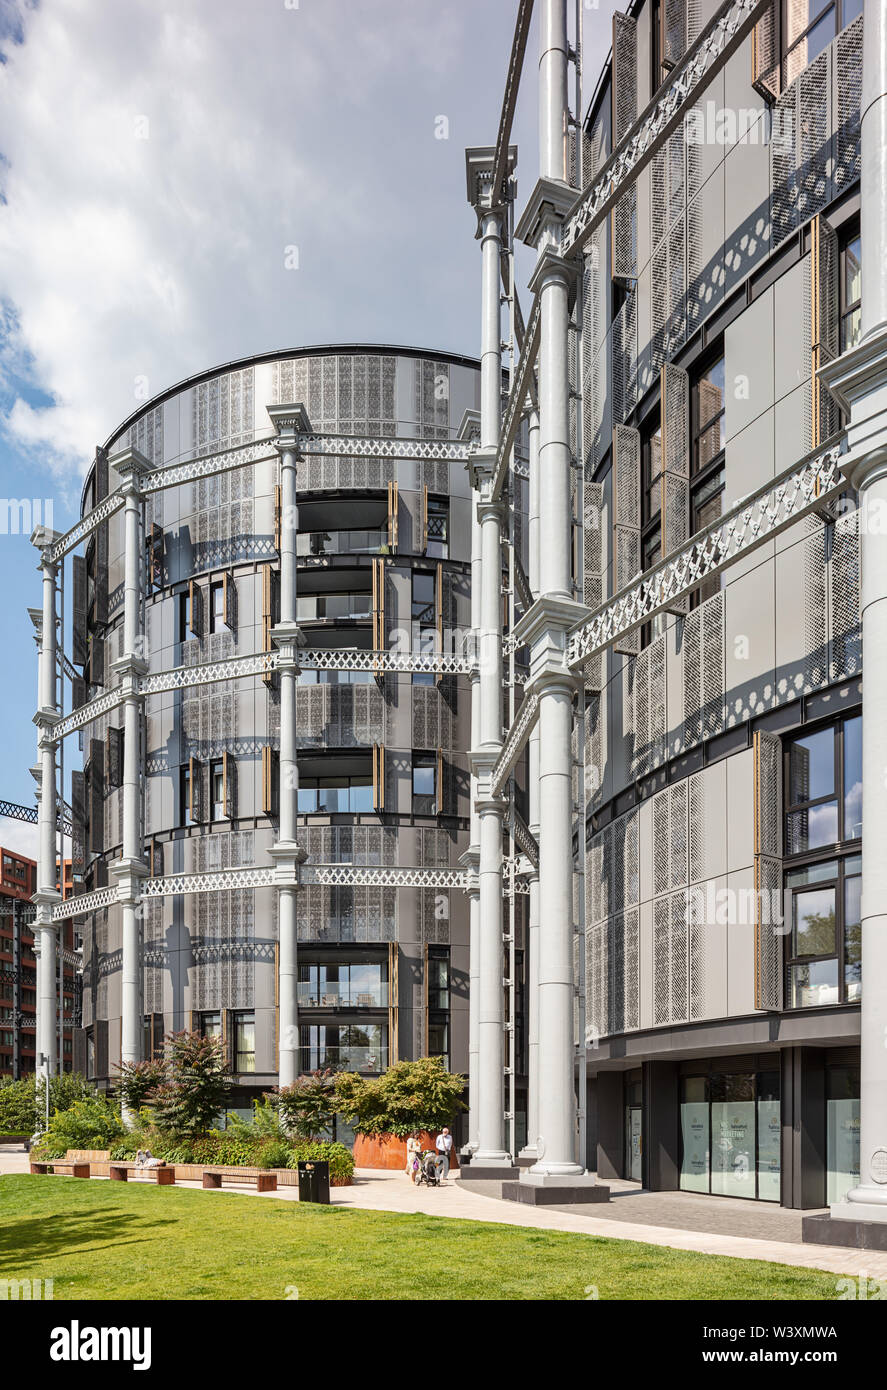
(681, 1221)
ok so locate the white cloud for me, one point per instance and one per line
(124, 257)
(19, 836)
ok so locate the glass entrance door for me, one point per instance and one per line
(633, 1130)
(633, 1142)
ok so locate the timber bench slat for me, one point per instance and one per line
(264, 1181)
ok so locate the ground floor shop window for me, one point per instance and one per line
(633, 1130)
(730, 1134)
(842, 1131)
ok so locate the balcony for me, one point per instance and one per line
(371, 1059)
(342, 995)
(350, 542)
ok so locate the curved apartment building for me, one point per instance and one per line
(382, 557)
(724, 759)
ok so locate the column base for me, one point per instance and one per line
(853, 1228)
(554, 1189)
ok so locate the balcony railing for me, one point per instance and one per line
(361, 542)
(365, 1059)
(342, 996)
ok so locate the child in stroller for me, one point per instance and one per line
(428, 1171)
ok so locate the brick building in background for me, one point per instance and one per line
(18, 967)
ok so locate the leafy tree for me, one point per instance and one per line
(23, 1103)
(307, 1107)
(407, 1097)
(137, 1082)
(196, 1083)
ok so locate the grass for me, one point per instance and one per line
(98, 1242)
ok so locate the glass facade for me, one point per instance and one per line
(344, 984)
(823, 781)
(344, 1047)
(842, 1131)
(731, 1134)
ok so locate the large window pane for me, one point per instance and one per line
(853, 779)
(852, 938)
(813, 828)
(813, 984)
(769, 1137)
(842, 1144)
(812, 767)
(813, 926)
(733, 1138)
(696, 1144)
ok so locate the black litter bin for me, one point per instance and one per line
(314, 1180)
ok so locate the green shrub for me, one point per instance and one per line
(196, 1085)
(273, 1155)
(307, 1107)
(340, 1159)
(407, 1097)
(89, 1124)
(137, 1081)
(265, 1123)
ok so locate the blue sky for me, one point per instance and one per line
(155, 166)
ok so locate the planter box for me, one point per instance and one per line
(387, 1151)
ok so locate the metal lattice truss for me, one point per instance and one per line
(721, 37)
(30, 814)
(260, 664)
(209, 672)
(268, 876)
(383, 876)
(350, 659)
(85, 526)
(372, 447)
(207, 466)
(753, 521)
(509, 100)
(522, 589)
(518, 734)
(93, 709)
(525, 839)
(82, 903)
(256, 876)
(517, 396)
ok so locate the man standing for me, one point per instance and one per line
(444, 1144)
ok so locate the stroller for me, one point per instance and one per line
(427, 1171)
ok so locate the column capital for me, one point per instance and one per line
(289, 421)
(480, 465)
(43, 538)
(287, 856)
(549, 202)
(858, 381)
(46, 720)
(551, 265)
(129, 874)
(130, 669)
(544, 628)
(288, 638)
(479, 165)
(130, 465)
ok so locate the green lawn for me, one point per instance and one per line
(101, 1240)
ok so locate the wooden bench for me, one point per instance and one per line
(56, 1165)
(264, 1180)
(119, 1172)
